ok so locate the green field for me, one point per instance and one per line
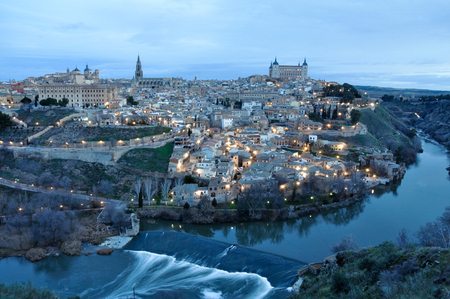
(151, 159)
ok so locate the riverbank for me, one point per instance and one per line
(87, 231)
(195, 216)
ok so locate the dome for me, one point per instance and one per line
(276, 62)
(87, 68)
(76, 69)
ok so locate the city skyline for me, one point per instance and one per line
(391, 44)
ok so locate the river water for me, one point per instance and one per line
(175, 260)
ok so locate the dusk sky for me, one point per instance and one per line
(381, 43)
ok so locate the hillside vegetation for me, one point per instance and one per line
(111, 181)
(402, 270)
(152, 159)
(384, 271)
(434, 117)
(386, 128)
(47, 117)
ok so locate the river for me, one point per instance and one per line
(175, 260)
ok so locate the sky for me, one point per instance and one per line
(395, 43)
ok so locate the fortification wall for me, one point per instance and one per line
(105, 157)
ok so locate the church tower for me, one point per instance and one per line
(138, 74)
(304, 70)
(275, 70)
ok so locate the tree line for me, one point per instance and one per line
(346, 92)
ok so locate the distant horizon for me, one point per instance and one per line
(164, 75)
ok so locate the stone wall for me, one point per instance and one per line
(69, 117)
(39, 133)
(106, 157)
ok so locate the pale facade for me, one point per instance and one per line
(290, 72)
(78, 95)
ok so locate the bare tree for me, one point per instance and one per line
(402, 239)
(345, 243)
(205, 205)
(3, 202)
(165, 188)
(189, 190)
(105, 187)
(179, 190)
(310, 185)
(51, 227)
(356, 182)
(252, 200)
(150, 189)
(46, 179)
(137, 185)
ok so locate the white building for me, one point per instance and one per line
(227, 123)
(78, 95)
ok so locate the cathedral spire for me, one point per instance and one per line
(138, 73)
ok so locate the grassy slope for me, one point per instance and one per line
(384, 271)
(148, 158)
(45, 117)
(385, 127)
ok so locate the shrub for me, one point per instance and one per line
(186, 206)
(346, 243)
(22, 291)
(340, 283)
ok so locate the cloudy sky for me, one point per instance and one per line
(388, 43)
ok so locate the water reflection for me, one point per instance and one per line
(254, 233)
(320, 227)
(54, 266)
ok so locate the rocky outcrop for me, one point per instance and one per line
(72, 247)
(105, 251)
(35, 254)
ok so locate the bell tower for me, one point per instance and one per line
(138, 73)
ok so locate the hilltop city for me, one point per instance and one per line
(283, 129)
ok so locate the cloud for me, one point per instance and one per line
(354, 41)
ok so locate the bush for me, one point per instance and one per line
(186, 206)
(25, 291)
(340, 283)
(345, 243)
(214, 203)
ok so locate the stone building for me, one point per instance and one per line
(140, 82)
(290, 72)
(77, 94)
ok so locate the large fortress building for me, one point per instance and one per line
(290, 72)
(140, 82)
